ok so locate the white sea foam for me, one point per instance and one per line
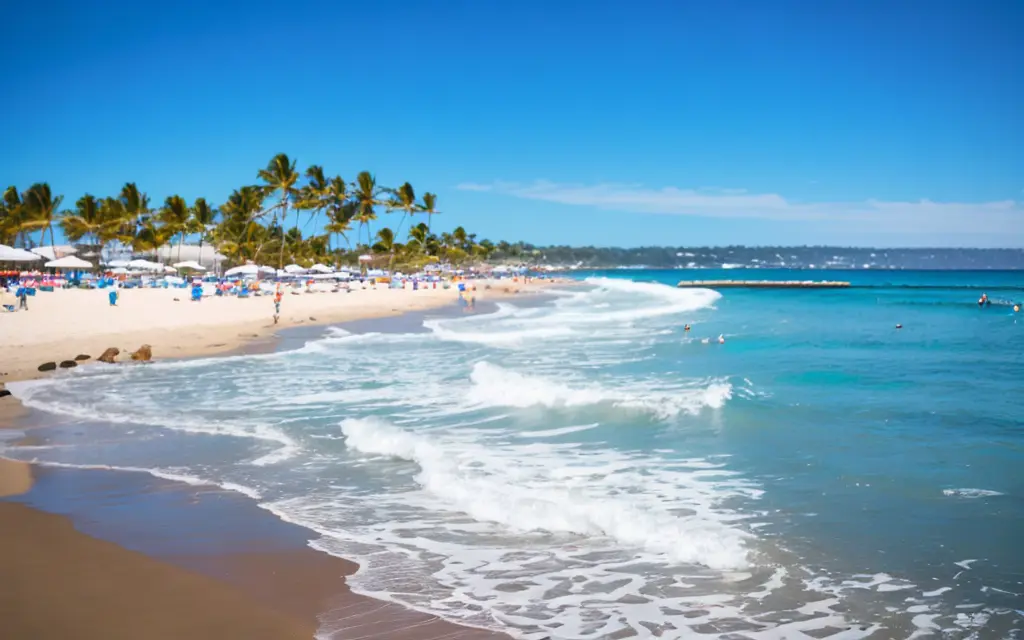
(487, 490)
(493, 385)
(970, 493)
(173, 475)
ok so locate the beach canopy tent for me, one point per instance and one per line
(294, 268)
(190, 264)
(10, 254)
(52, 253)
(321, 268)
(145, 265)
(69, 262)
(268, 270)
(243, 270)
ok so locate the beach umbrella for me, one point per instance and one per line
(267, 270)
(321, 268)
(52, 253)
(190, 264)
(118, 264)
(69, 262)
(119, 271)
(10, 254)
(366, 258)
(144, 265)
(293, 268)
(243, 270)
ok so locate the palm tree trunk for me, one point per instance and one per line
(284, 216)
(181, 241)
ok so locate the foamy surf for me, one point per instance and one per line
(497, 386)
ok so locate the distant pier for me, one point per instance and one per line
(762, 284)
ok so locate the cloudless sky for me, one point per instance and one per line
(551, 121)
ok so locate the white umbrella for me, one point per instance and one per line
(190, 264)
(10, 254)
(293, 268)
(52, 253)
(320, 268)
(145, 265)
(118, 264)
(118, 271)
(69, 262)
(266, 269)
(170, 269)
(243, 270)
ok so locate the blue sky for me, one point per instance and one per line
(859, 122)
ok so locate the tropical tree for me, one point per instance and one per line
(404, 199)
(313, 196)
(203, 218)
(176, 218)
(280, 177)
(85, 221)
(429, 207)
(41, 206)
(240, 234)
(367, 198)
(340, 210)
(11, 217)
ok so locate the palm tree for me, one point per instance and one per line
(41, 207)
(280, 176)
(86, 221)
(12, 218)
(134, 211)
(239, 225)
(386, 242)
(367, 197)
(203, 218)
(340, 209)
(313, 196)
(429, 207)
(404, 198)
(176, 218)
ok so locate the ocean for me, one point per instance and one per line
(577, 465)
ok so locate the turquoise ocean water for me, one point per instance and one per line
(579, 466)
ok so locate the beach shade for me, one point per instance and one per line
(145, 265)
(170, 269)
(69, 262)
(243, 270)
(10, 254)
(268, 270)
(52, 253)
(118, 264)
(190, 264)
(293, 268)
(321, 268)
(366, 258)
(119, 271)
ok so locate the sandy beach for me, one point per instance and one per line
(61, 325)
(70, 583)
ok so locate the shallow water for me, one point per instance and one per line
(584, 468)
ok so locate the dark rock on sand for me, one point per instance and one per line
(82, 357)
(110, 355)
(312, 319)
(48, 366)
(68, 364)
(4, 393)
(144, 354)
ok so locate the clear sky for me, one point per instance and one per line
(854, 122)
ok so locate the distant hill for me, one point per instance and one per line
(762, 257)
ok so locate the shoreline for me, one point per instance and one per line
(238, 576)
(176, 328)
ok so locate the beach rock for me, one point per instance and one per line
(82, 357)
(110, 355)
(144, 354)
(47, 366)
(68, 364)
(4, 393)
(312, 319)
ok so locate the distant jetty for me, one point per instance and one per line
(762, 284)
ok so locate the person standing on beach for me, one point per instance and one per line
(22, 297)
(277, 303)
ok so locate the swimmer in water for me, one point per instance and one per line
(686, 328)
(721, 339)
